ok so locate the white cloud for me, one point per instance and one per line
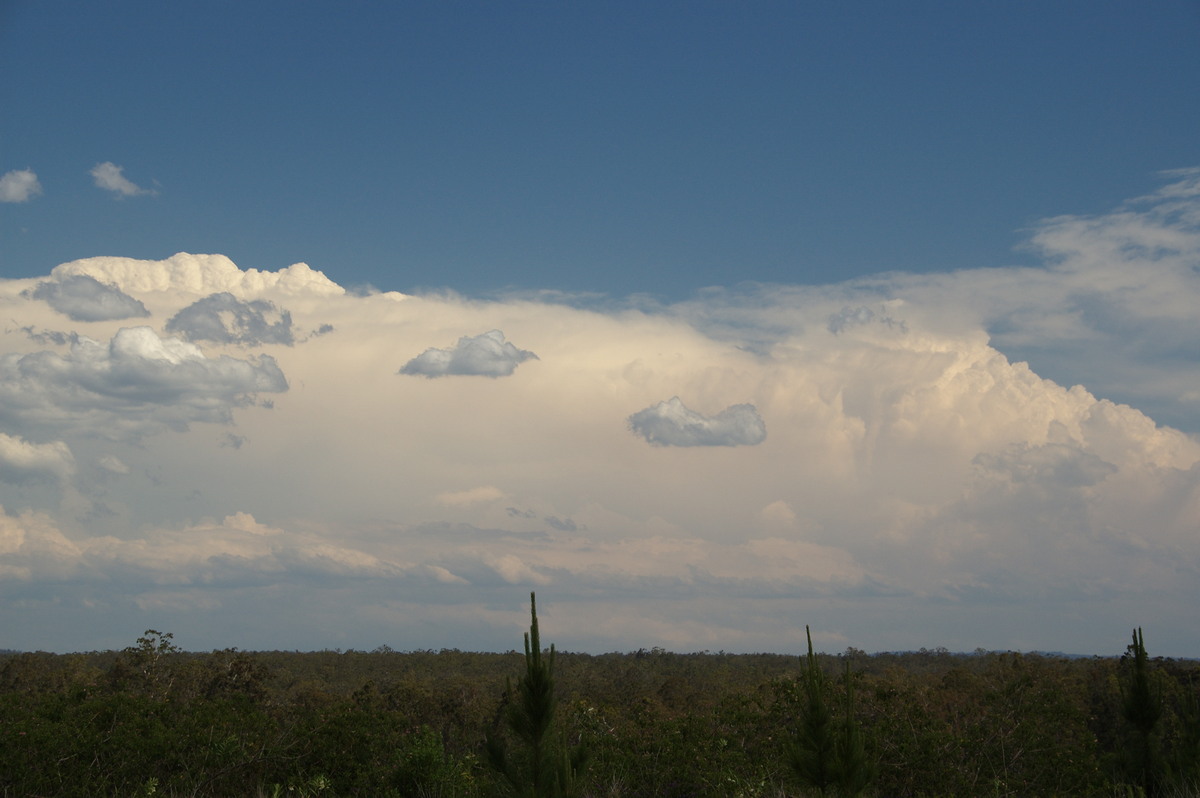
(19, 185)
(22, 461)
(84, 298)
(670, 423)
(484, 355)
(186, 274)
(110, 177)
(920, 486)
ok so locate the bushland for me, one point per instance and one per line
(154, 719)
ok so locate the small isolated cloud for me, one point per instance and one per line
(19, 185)
(109, 177)
(84, 298)
(22, 461)
(225, 319)
(486, 355)
(670, 423)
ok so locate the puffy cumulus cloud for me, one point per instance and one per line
(19, 185)
(22, 461)
(84, 298)
(111, 177)
(202, 275)
(135, 384)
(225, 319)
(485, 355)
(670, 423)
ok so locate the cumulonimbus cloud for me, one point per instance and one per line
(671, 423)
(84, 298)
(918, 475)
(485, 355)
(110, 177)
(223, 318)
(19, 185)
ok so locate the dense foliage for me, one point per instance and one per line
(156, 720)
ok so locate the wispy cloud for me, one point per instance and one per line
(111, 177)
(19, 185)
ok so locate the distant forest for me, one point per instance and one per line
(153, 719)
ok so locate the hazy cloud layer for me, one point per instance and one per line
(670, 423)
(111, 177)
(19, 185)
(225, 319)
(485, 355)
(921, 484)
(84, 298)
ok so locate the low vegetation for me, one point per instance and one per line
(156, 720)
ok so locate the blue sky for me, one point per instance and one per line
(615, 147)
(341, 325)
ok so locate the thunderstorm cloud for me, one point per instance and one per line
(982, 453)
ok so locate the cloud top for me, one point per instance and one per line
(110, 177)
(671, 423)
(188, 273)
(84, 298)
(485, 355)
(19, 185)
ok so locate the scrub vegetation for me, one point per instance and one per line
(154, 719)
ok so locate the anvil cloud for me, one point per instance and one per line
(232, 455)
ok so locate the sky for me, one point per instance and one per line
(342, 325)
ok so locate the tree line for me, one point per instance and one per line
(154, 719)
